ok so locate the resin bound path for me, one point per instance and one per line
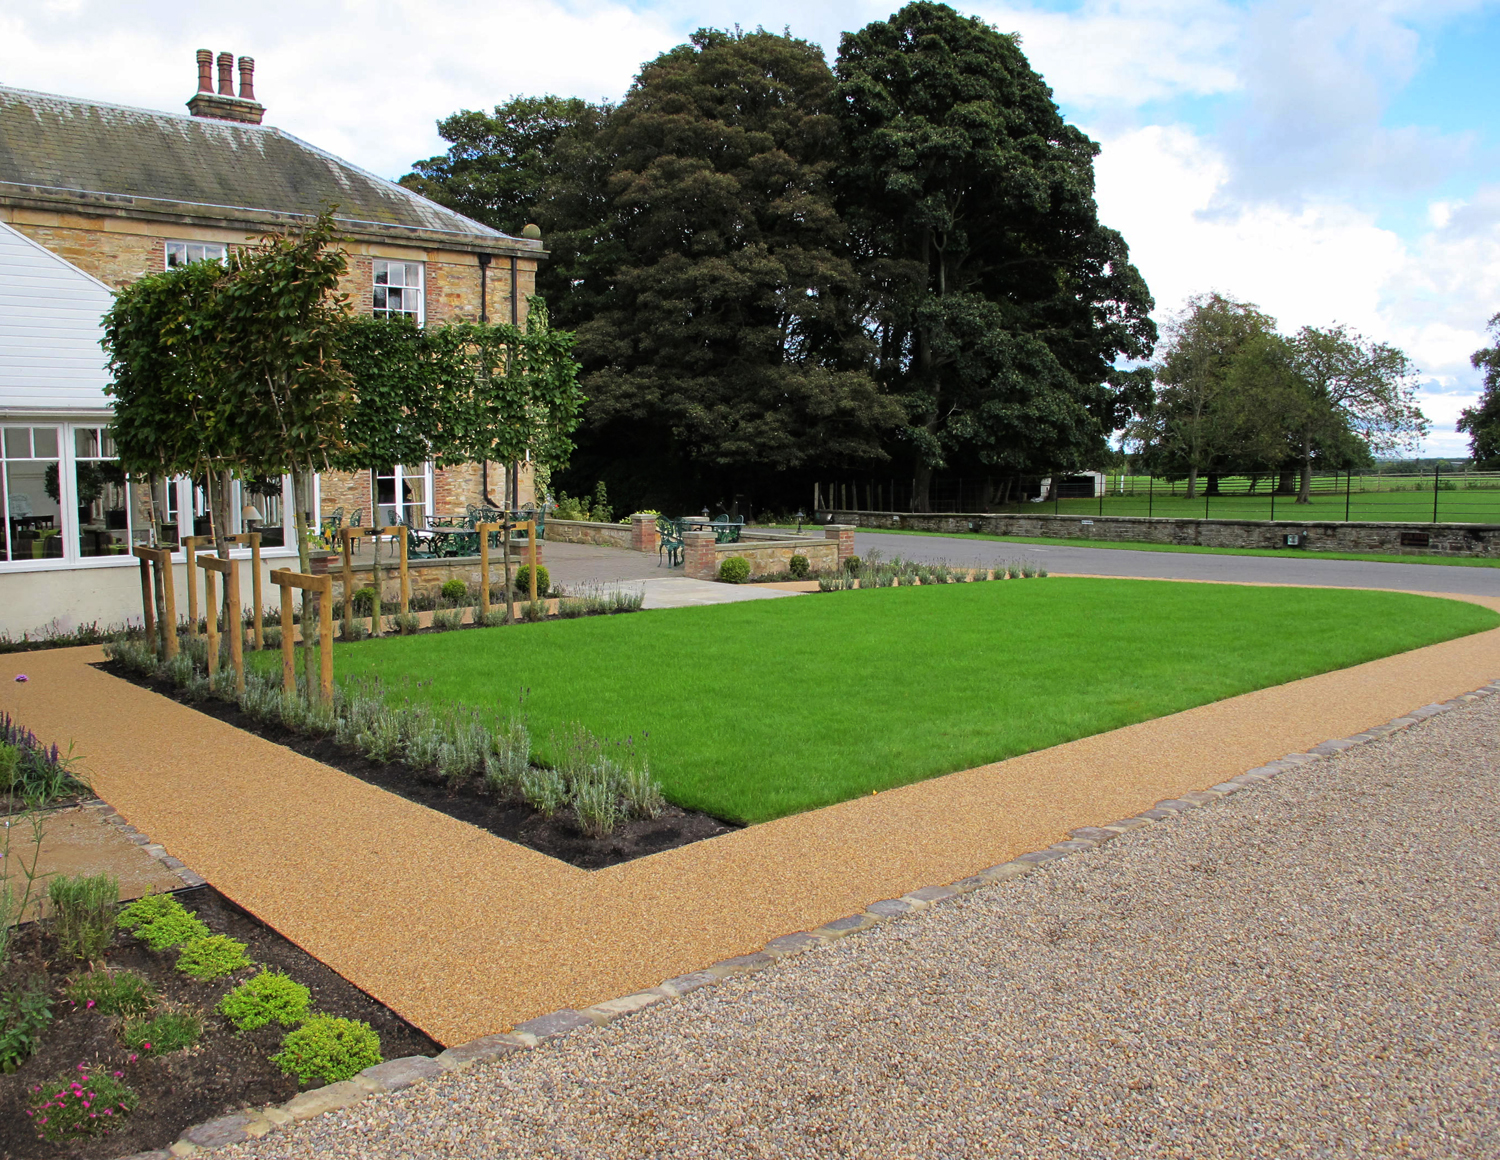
(466, 934)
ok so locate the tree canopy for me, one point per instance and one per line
(1482, 421)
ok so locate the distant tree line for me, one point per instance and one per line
(778, 270)
(1233, 396)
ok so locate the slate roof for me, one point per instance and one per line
(65, 152)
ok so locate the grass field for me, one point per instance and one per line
(756, 710)
(1133, 546)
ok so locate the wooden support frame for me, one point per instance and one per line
(161, 560)
(253, 539)
(323, 587)
(190, 554)
(233, 621)
(484, 531)
(531, 555)
(347, 537)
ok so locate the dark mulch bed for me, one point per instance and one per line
(224, 1072)
(558, 836)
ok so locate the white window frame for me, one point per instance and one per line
(402, 473)
(205, 252)
(67, 521)
(384, 267)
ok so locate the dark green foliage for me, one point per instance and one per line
(363, 600)
(1001, 303)
(734, 570)
(328, 1049)
(83, 914)
(852, 565)
(264, 998)
(212, 957)
(160, 921)
(112, 993)
(25, 1013)
(455, 591)
(543, 579)
(167, 1032)
(799, 567)
(79, 1105)
(1482, 421)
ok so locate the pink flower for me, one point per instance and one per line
(145, 1047)
(91, 1003)
(22, 677)
(132, 1059)
(119, 1075)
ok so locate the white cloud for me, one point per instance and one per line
(1321, 263)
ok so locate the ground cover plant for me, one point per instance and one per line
(765, 708)
(161, 1048)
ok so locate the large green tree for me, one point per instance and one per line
(999, 304)
(1482, 421)
(724, 338)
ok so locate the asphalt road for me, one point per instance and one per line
(1290, 569)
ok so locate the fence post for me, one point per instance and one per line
(1206, 496)
(211, 623)
(1436, 471)
(531, 554)
(1348, 484)
(1150, 495)
(1273, 502)
(236, 630)
(484, 569)
(169, 601)
(405, 576)
(288, 646)
(325, 650)
(148, 603)
(347, 536)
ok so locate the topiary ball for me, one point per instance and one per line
(735, 570)
(454, 591)
(799, 566)
(523, 580)
(852, 564)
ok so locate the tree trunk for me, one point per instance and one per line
(921, 496)
(1304, 490)
(1192, 483)
(1211, 486)
(1284, 482)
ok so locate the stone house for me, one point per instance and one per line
(94, 196)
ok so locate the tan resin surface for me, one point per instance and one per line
(464, 933)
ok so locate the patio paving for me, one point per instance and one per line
(590, 564)
(465, 934)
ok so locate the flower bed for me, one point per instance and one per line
(147, 1039)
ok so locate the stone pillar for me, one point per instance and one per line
(700, 561)
(844, 534)
(643, 534)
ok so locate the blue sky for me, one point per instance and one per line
(1330, 160)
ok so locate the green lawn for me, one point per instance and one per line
(1132, 546)
(766, 708)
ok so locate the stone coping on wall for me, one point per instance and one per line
(612, 535)
(1390, 537)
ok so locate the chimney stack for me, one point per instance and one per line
(224, 105)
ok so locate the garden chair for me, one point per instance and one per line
(669, 540)
(328, 532)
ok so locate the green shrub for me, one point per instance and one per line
(112, 992)
(24, 1015)
(170, 1031)
(212, 957)
(83, 914)
(264, 998)
(160, 921)
(78, 1105)
(405, 623)
(853, 564)
(455, 591)
(735, 570)
(799, 566)
(328, 1049)
(354, 630)
(10, 764)
(543, 580)
(363, 600)
(447, 619)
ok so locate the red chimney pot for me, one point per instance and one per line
(226, 68)
(205, 71)
(247, 78)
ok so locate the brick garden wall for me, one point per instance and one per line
(1441, 539)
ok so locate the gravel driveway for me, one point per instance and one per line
(1307, 968)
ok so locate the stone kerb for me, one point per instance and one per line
(700, 560)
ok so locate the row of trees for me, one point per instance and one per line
(255, 368)
(775, 267)
(1234, 396)
(1482, 421)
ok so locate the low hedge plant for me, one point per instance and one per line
(328, 1049)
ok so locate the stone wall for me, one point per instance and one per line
(589, 532)
(427, 576)
(767, 556)
(1414, 539)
